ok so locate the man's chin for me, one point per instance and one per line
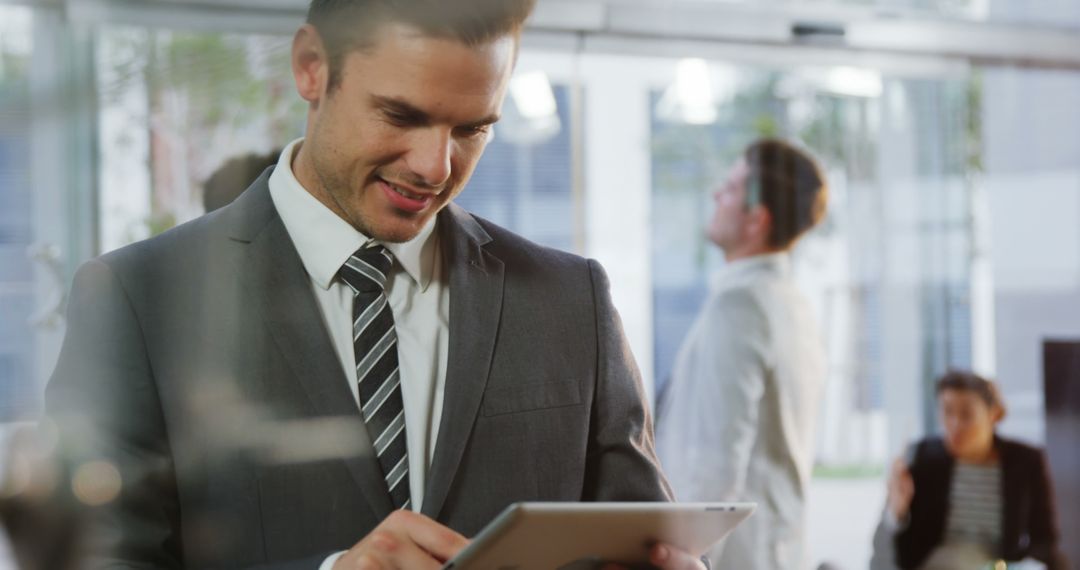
(397, 233)
(392, 225)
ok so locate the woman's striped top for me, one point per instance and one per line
(975, 504)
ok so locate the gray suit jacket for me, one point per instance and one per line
(197, 364)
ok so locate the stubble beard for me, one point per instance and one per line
(341, 192)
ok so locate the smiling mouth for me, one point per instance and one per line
(408, 194)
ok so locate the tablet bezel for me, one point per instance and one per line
(612, 532)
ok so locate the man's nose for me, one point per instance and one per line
(429, 158)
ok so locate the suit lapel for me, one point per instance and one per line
(476, 293)
(282, 292)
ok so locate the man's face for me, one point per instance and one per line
(727, 227)
(401, 134)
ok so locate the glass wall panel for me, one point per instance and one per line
(18, 392)
(1058, 13)
(176, 106)
(1031, 177)
(524, 180)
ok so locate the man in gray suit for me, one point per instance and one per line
(342, 353)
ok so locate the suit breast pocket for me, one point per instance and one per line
(531, 396)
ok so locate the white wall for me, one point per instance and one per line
(1033, 186)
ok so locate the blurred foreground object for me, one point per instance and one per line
(35, 511)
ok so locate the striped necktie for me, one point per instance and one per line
(375, 347)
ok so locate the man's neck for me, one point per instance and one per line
(737, 253)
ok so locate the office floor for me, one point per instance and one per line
(841, 519)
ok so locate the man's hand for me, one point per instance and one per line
(667, 557)
(405, 540)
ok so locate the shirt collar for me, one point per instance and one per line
(748, 268)
(325, 241)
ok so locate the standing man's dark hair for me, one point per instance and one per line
(350, 25)
(790, 184)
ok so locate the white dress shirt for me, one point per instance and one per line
(419, 295)
(737, 419)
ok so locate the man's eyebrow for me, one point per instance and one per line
(488, 120)
(404, 109)
(399, 107)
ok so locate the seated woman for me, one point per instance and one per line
(971, 497)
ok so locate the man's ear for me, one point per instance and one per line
(759, 224)
(310, 64)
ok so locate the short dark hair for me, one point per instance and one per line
(230, 180)
(968, 381)
(789, 183)
(350, 25)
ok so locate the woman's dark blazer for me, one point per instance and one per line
(1029, 522)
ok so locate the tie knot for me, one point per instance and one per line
(367, 269)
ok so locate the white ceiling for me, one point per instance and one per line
(666, 27)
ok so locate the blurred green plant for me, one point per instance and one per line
(857, 471)
(201, 89)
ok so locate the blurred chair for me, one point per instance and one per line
(1061, 389)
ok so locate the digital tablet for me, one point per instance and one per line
(549, 536)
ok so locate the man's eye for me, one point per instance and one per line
(398, 119)
(476, 131)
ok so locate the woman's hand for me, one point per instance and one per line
(901, 489)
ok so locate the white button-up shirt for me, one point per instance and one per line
(418, 292)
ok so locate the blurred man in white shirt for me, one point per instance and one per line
(736, 421)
